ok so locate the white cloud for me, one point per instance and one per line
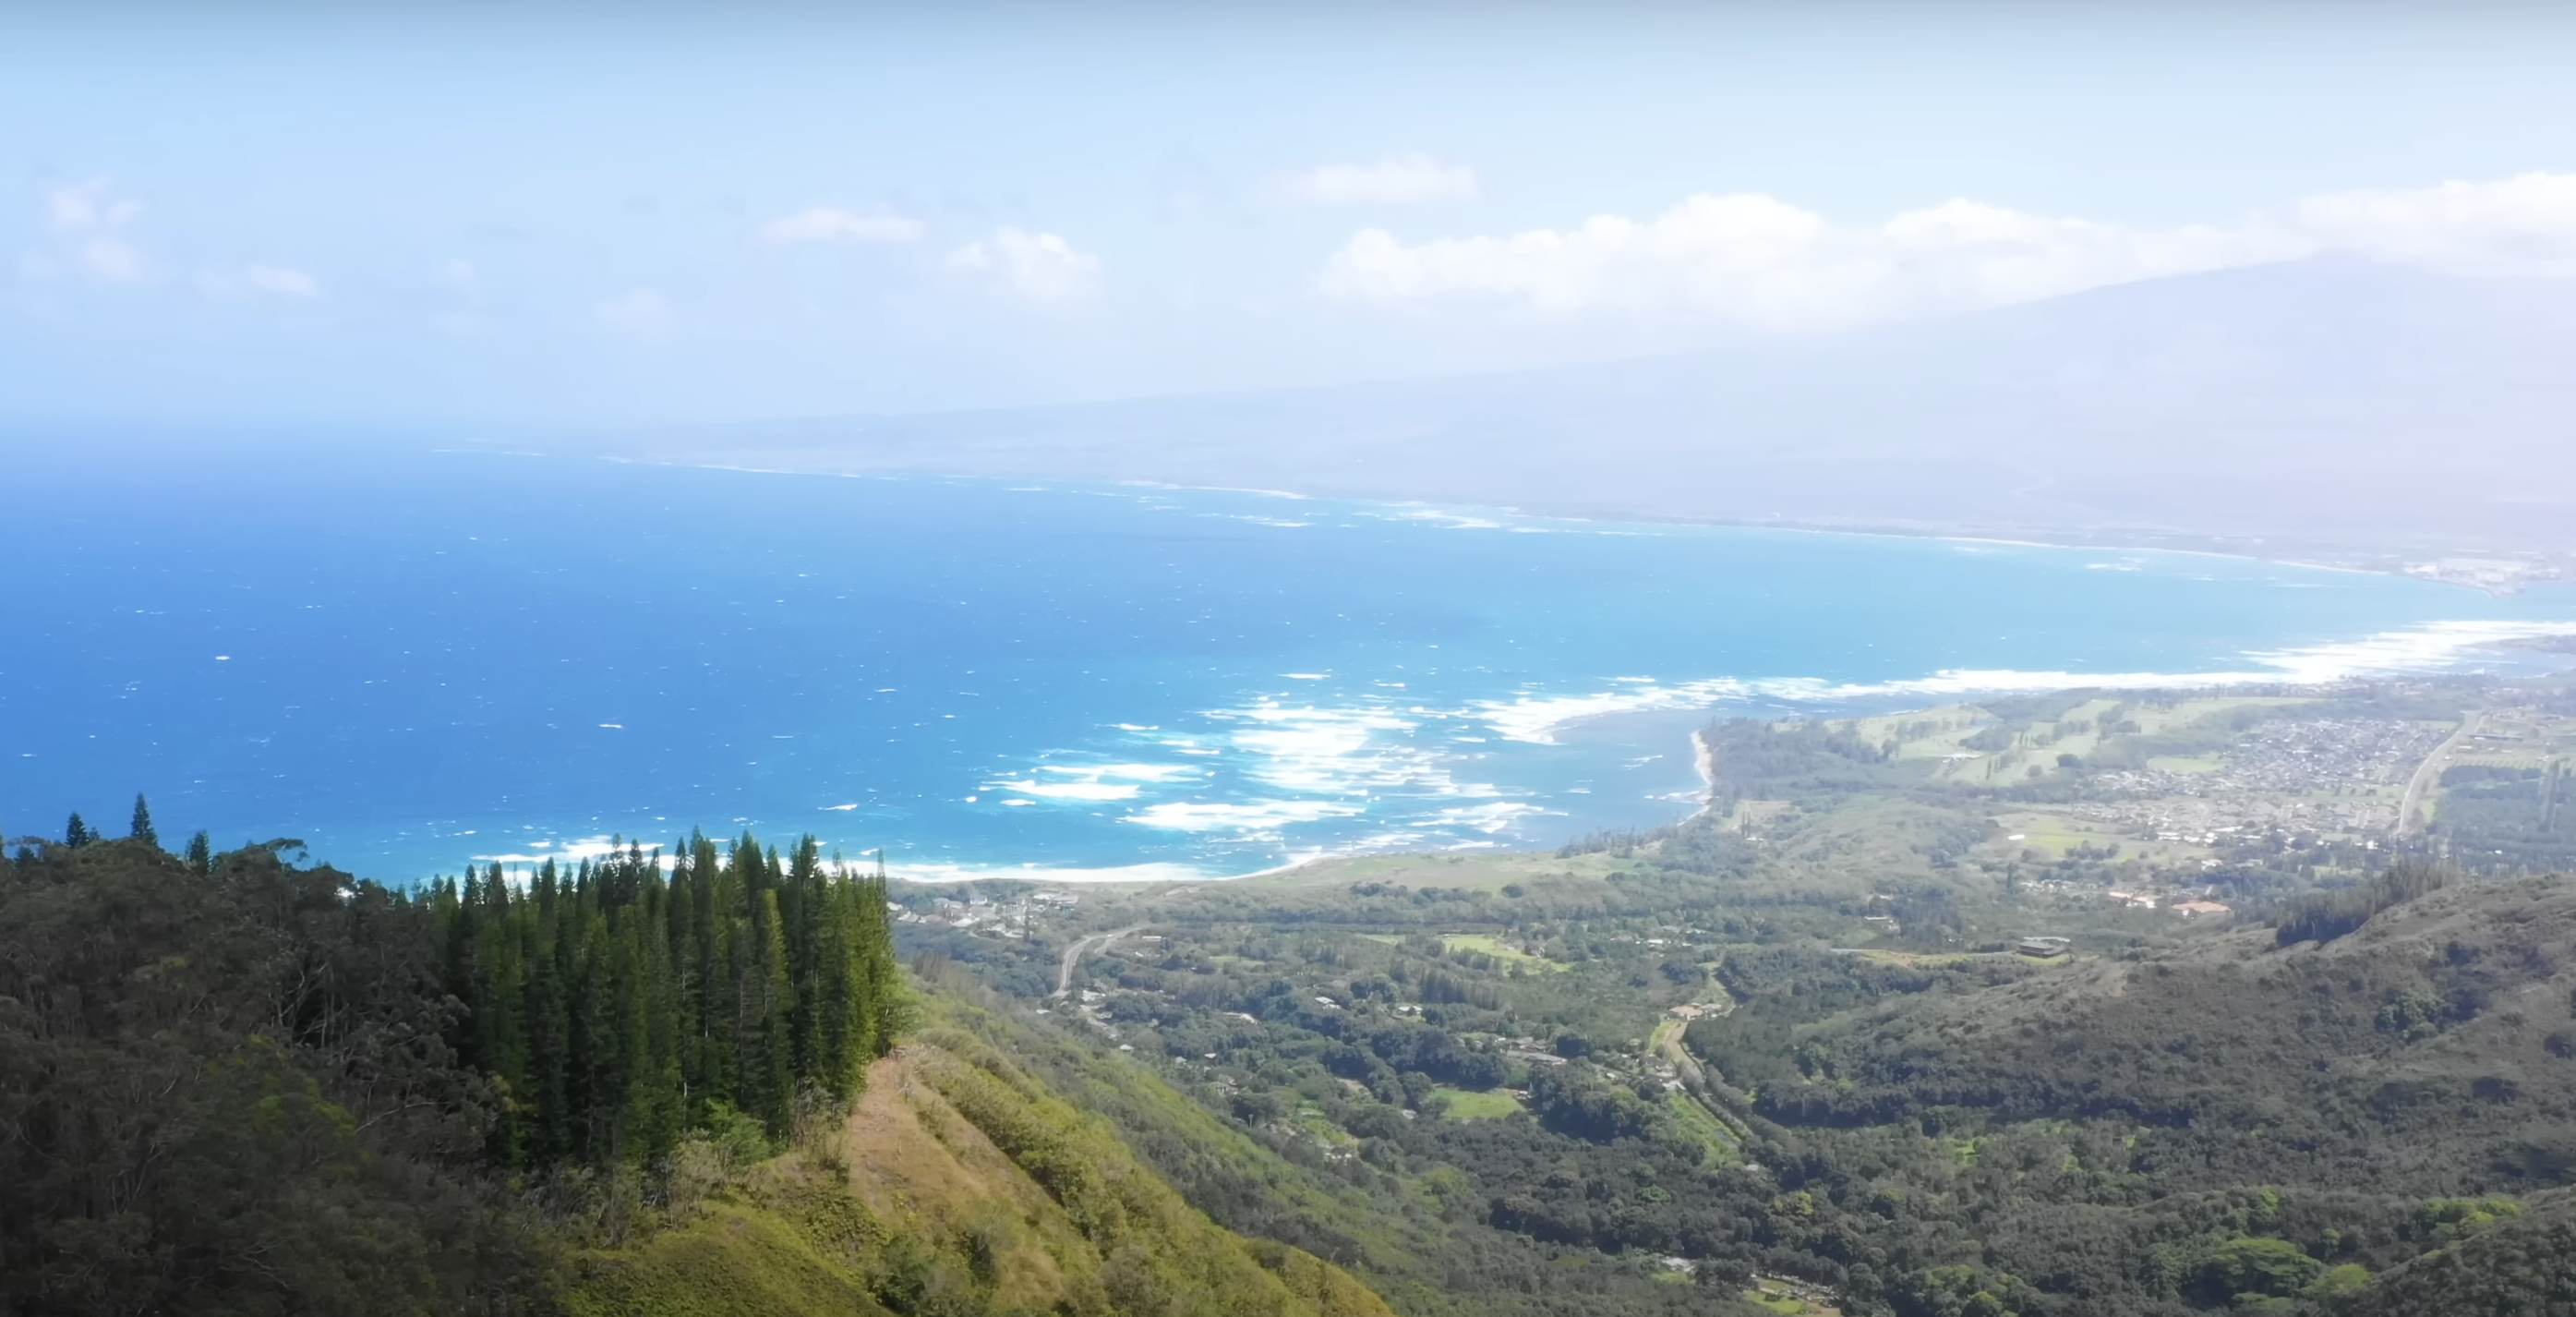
(1757, 260)
(258, 281)
(2524, 225)
(1041, 267)
(830, 224)
(89, 223)
(458, 275)
(80, 207)
(1402, 179)
(637, 313)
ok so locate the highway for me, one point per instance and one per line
(2430, 771)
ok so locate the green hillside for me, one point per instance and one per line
(957, 1186)
(235, 1084)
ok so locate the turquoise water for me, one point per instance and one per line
(412, 661)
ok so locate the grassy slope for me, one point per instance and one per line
(1210, 1159)
(739, 1259)
(960, 1185)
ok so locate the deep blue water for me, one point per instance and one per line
(414, 660)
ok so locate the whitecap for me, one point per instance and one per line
(1251, 816)
(1086, 790)
(2427, 648)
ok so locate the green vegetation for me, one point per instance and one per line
(1465, 1104)
(234, 1089)
(1485, 944)
(1797, 1044)
(614, 1009)
(2263, 1050)
(234, 1084)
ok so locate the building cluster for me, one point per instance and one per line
(985, 916)
(2330, 777)
(2298, 757)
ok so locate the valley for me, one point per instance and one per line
(1800, 1045)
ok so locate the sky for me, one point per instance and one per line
(477, 216)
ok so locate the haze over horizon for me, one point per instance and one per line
(578, 217)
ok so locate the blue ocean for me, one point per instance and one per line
(414, 659)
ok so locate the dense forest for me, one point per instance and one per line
(233, 1083)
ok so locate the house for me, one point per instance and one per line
(2187, 909)
(2044, 946)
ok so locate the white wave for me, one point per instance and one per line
(1491, 817)
(1128, 772)
(572, 852)
(1250, 816)
(1368, 751)
(1067, 790)
(1452, 520)
(1537, 719)
(1124, 873)
(2427, 648)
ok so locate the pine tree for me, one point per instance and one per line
(501, 1022)
(718, 993)
(141, 828)
(612, 1007)
(201, 853)
(769, 1061)
(76, 834)
(549, 1034)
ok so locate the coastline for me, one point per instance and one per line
(1704, 758)
(2246, 546)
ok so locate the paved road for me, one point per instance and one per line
(1083, 947)
(2430, 771)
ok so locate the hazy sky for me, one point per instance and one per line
(537, 214)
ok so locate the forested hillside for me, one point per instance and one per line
(236, 1084)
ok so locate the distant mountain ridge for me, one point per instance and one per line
(2362, 412)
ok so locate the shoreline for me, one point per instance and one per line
(1704, 758)
(2327, 556)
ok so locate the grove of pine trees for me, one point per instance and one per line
(616, 1008)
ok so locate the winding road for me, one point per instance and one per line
(2430, 771)
(1085, 946)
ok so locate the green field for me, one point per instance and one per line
(1777, 1298)
(1466, 1104)
(1724, 1148)
(1496, 948)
